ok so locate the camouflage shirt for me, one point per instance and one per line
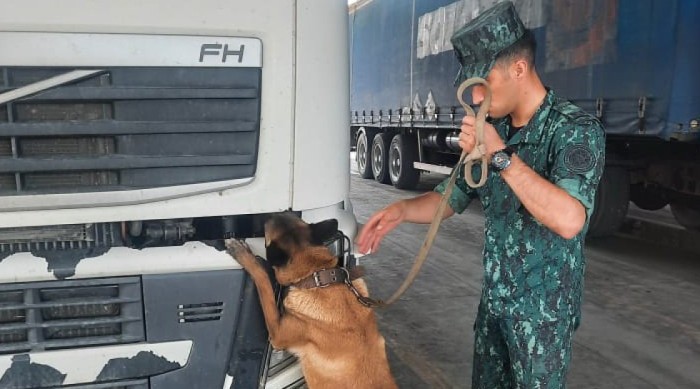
(531, 272)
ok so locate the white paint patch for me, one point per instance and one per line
(437, 27)
(228, 381)
(84, 365)
(122, 261)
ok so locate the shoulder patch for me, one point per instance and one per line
(579, 158)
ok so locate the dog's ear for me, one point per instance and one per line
(275, 255)
(323, 231)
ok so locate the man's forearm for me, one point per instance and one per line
(421, 209)
(548, 203)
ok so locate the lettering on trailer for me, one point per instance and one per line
(216, 49)
(435, 28)
(577, 33)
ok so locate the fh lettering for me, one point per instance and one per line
(223, 51)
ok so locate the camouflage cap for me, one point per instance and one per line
(478, 42)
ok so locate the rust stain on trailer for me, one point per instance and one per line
(580, 33)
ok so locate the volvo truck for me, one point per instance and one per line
(135, 136)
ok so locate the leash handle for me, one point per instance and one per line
(478, 155)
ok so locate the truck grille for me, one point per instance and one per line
(60, 237)
(65, 314)
(129, 128)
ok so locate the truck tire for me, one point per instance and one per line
(403, 151)
(363, 156)
(686, 216)
(380, 157)
(611, 202)
(647, 198)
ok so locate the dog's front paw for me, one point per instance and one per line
(237, 247)
(240, 251)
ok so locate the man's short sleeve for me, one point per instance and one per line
(462, 195)
(579, 158)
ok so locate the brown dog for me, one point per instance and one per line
(333, 334)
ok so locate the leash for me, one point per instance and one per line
(478, 154)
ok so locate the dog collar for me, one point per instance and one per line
(327, 277)
(338, 275)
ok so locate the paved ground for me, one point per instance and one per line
(641, 316)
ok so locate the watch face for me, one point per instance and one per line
(500, 160)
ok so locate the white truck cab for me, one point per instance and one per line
(134, 137)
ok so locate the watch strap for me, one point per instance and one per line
(508, 150)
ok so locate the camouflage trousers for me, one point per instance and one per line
(520, 354)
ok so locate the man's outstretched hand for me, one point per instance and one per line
(380, 224)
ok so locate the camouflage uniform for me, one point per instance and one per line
(533, 278)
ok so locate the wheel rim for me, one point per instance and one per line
(395, 163)
(377, 160)
(362, 153)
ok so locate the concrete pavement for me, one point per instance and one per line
(641, 315)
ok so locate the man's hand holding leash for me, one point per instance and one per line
(467, 137)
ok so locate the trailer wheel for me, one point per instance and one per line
(611, 202)
(363, 154)
(648, 198)
(403, 151)
(380, 157)
(686, 216)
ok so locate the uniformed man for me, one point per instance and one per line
(547, 156)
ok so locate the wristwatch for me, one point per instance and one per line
(500, 160)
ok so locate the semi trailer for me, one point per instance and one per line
(630, 63)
